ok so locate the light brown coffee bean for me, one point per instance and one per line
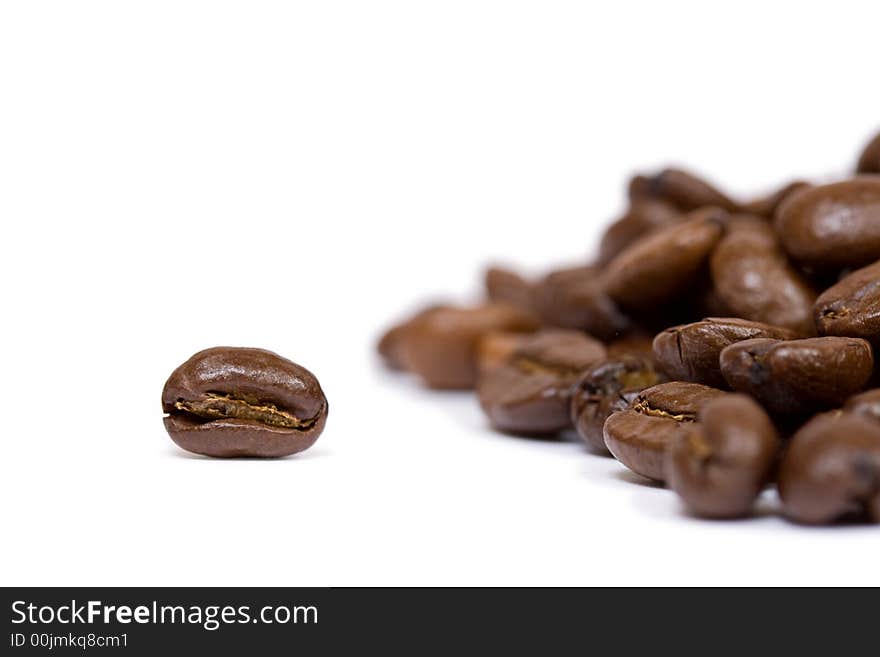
(753, 277)
(682, 189)
(638, 436)
(831, 470)
(833, 226)
(798, 376)
(720, 465)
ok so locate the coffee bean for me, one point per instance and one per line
(720, 465)
(831, 470)
(753, 277)
(682, 189)
(656, 268)
(833, 226)
(869, 161)
(391, 345)
(508, 286)
(531, 392)
(230, 401)
(691, 352)
(607, 388)
(441, 348)
(852, 306)
(575, 299)
(638, 436)
(865, 404)
(766, 206)
(495, 347)
(643, 217)
(798, 376)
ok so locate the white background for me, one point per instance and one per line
(178, 175)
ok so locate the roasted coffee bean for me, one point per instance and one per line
(720, 465)
(441, 348)
(653, 270)
(691, 352)
(852, 307)
(607, 388)
(831, 470)
(766, 206)
(638, 436)
(798, 376)
(575, 299)
(869, 161)
(508, 286)
(682, 189)
(230, 401)
(531, 392)
(865, 404)
(495, 347)
(833, 226)
(392, 344)
(643, 217)
(753, 277)
(637, 344)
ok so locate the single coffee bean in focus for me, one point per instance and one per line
(234, 401)
(638, 436)
(720, 465)
(798, 376)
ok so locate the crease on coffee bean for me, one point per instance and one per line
(218, 406)
(831, 313)
(532, 366)
(644, 407)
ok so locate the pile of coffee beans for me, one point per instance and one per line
(715, 345)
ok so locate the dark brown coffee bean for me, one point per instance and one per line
(575, 299)
(865, 404)
(653, 270)
(852, 306)
(753, 277)
(531, 392)
(391, 345)
(869, 161)
(798, 376)
(607, 388)
(638, 436)
(643, 217)
(831, 470)
(766, 206)
(682, 189)
(721, 464)
(833, 226)
(508, 286)
(691, 352)
(441, 348)
(230, 401)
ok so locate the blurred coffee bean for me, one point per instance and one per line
(575, 298)
(831, 470)
(508, 286)
(766, 206)
(833, 226)
(441, 348)
(691, 352)
(609, 387)
(638, 436)
(643, 217)
(495, 347)
(391, 344)
(682, 189)
(865, 404)
(869, 161)
(720, 465)
(852, 306)
(752, 276)
(656, 268)
(798, 376)
(530, 392)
